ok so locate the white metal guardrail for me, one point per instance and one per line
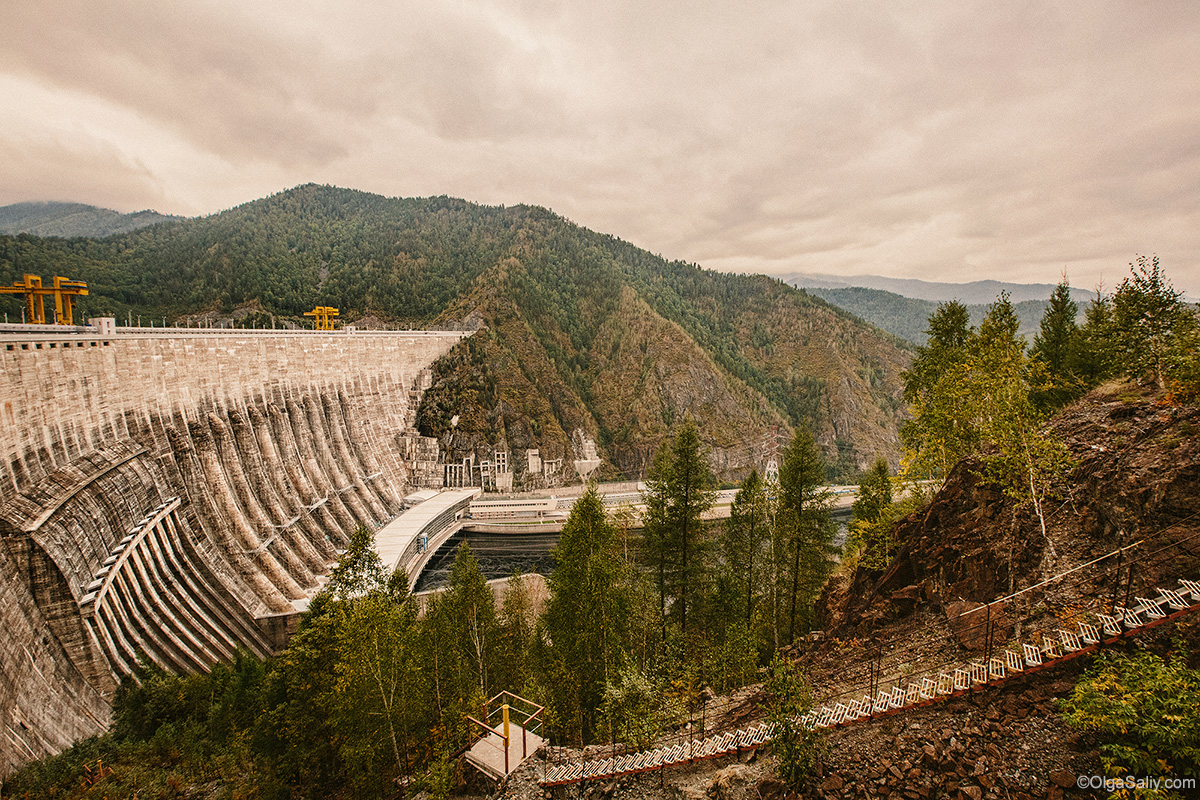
(1017, 659)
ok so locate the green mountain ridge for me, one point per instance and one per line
(73, 219)
(584, 336)
(970, 293)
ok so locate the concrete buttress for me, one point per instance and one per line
(170, 496)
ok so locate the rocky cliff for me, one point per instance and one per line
(1136, 479)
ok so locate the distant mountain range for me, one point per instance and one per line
(975, 292)
(908, 318)
(904, 310)
(73, 220)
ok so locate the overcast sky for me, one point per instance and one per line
(953, 140)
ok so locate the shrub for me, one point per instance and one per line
(798, 748)
(1147, 711)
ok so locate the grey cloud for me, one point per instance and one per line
(217, 79)
(867, 137)
(52, 169)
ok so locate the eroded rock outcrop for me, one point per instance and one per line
(1136, 479)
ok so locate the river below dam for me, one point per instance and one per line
(499, 555)
(502, 554)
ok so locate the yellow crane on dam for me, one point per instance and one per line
(64, 291)
(323, 316)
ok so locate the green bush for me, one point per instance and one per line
(1147, 711)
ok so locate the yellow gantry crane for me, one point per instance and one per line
(64, 291)
(323, 316)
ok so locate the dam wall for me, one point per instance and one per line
(167, 497)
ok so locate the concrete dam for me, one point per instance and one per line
(171, 495)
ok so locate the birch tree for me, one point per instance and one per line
(1021, 456)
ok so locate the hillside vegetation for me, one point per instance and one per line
(586, 335)
(1068, 475)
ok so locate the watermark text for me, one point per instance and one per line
(1133, 782)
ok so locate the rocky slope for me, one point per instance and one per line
(997, 744)
(1137, 479)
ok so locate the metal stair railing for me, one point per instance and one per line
(949, 681)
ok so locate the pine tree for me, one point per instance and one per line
(656, 529)
(804, 524)
(679, 489)
(1055, 350)
(587, 617)
(746, 536)
(1095, 357)
(1052, 345)
(1149, 318)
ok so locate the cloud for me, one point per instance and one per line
(941, 139)
(80, 168)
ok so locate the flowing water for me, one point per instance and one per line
(502, 554)
(499, 555)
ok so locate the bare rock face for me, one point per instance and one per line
(643, 367)
(975, 625)
(772, 789)
(728, 783)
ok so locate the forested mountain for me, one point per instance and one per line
(586, 335)
(907, 317)
(73, 219)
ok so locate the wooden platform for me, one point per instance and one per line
(487, 755)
